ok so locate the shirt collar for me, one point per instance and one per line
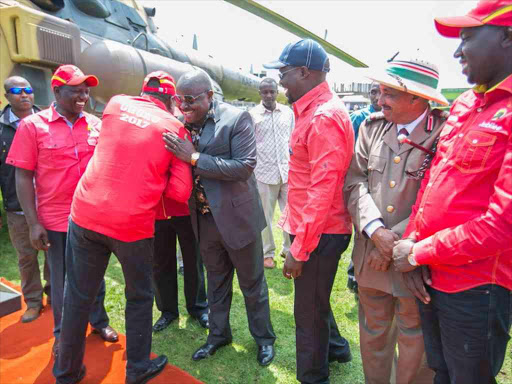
(13, 118)
(413, 124)
(485, 93)
(158, 103)
(264, 109)
(56, 115)
(303, 103)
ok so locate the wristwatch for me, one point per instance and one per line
(411, 259)
(193, 158)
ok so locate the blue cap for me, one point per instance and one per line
(304, 53)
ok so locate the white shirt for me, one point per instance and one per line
(373, 225)
(272, 130)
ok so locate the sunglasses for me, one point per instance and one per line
(283, 74)
(18, 90)
(188, 98)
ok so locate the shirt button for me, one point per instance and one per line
(397, 159)
(392, 184)
(420, 210)
(390, 209)
(461, 134)
(429, 185)
(470, 261)
(445, 160)
(479, 109)
(475, 141)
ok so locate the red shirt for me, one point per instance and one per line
(321, 147)
(58, 154)
(168, 208)
(130, 169)
(463, 215)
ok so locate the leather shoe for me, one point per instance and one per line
(162, 323)
(31, 314)
(203, 320)
(266, 354)
(343, 358)
(207, 350)
(108, 334)
(156, 367)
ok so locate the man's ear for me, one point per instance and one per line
(304, 71)
(507, 38)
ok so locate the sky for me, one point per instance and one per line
(372, 31)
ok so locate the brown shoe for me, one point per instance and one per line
(108, 334)
(30, 314)
(269, 263)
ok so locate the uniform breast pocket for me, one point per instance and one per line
(55, 154)
(376, 166)
(474, 151)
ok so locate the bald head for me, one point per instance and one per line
(196, 79)
(15, 81)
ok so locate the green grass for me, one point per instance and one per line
(236, 364)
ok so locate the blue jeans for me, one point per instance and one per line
(87, 257)
(466, 333)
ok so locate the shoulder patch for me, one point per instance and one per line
(375, 116)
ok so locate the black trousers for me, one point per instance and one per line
(317, 335)
(221, 262)
(165, 276)
(87, 257)
(57, 261)
(466, 333)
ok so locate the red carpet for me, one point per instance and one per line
(25, 354)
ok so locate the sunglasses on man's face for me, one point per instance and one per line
(188, 98)
(18, 90)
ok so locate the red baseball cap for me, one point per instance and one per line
(72, 75)
(167, 83)
(487, 12)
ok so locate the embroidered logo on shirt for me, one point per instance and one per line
(499, 114)
(490, 125)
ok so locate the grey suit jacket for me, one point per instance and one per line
(228, 158)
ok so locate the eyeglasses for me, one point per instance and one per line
(18, 90)
(282, 74)
(188, 98)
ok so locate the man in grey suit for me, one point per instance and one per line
(225, 209)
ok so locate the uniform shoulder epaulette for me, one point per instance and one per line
(375, 116)
(440, 113)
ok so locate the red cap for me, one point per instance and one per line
(167, 83)
(487, 12)
(72, 75)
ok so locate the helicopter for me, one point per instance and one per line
(116, 40)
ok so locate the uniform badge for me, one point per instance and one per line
(499, 114)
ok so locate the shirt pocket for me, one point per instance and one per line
(376, 166)
(55, 153)
(474, 151)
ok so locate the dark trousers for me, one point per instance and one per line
(466, 333)
(58, 260)
(221, 262)
(164, 268)
(87, 257)
(317, 335)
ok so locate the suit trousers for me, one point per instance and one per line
(58, 261)
(28, 265)
(466, 333)
(317, 335)
(269, 195)
(165, 277)
(87, 258)
(221, 262)
(384, 322)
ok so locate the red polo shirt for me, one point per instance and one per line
(58, 154)
(463, 214)
(130, 170)
(321, 147)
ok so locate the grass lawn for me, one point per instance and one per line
(236, 364)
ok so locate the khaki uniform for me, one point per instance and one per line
(382, 183)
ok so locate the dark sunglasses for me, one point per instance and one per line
(18, 90)
(188, 98)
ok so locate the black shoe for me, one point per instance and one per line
(157, 365)
(181, 271)
(203, 320)
(342, 358)
(162, 323)
(81, 375)
(266, 354)
(207, 350)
